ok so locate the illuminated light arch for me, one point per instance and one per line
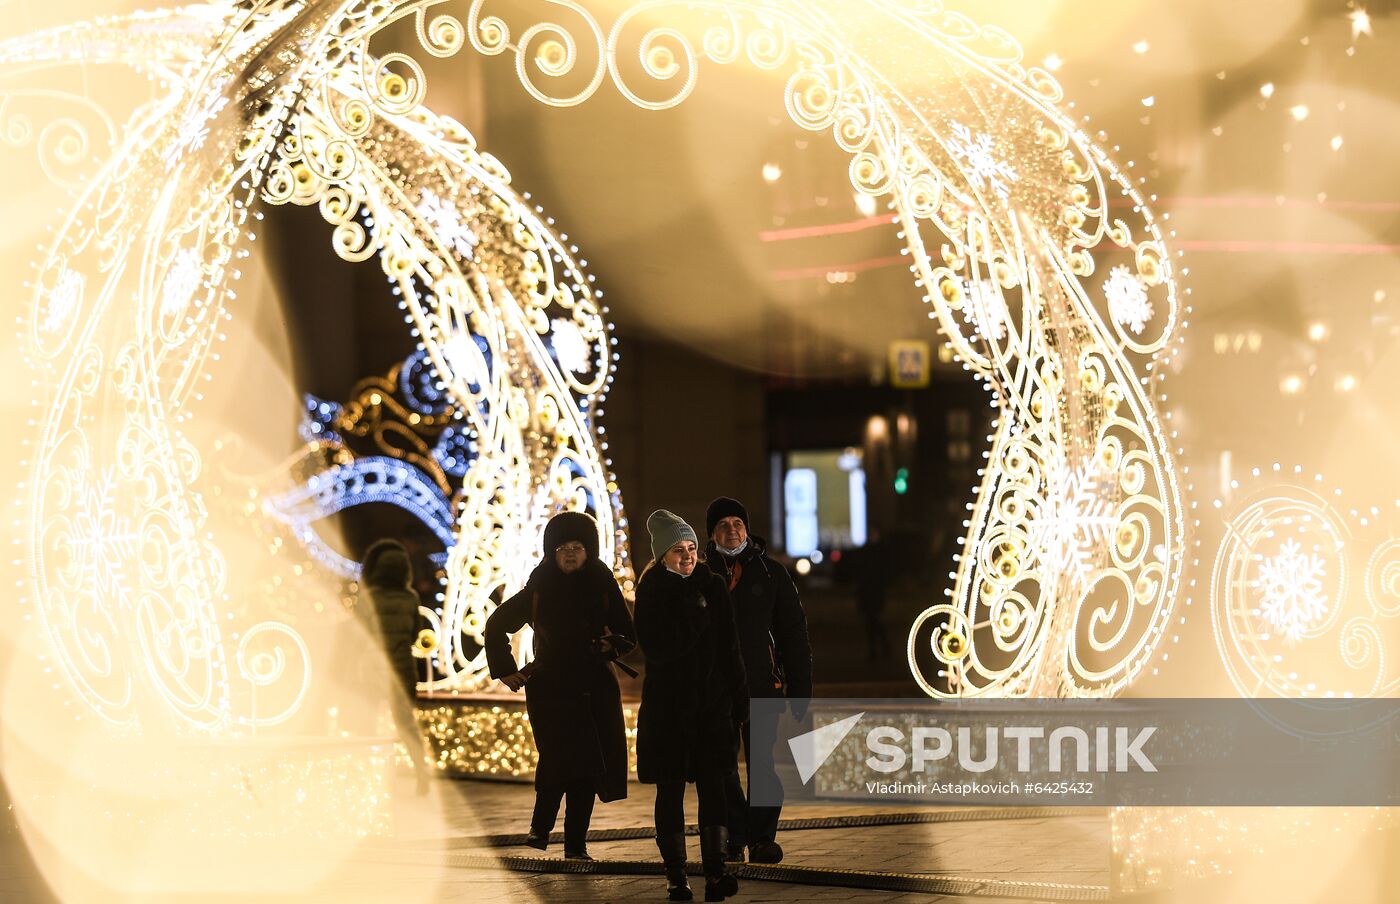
(1070, 565)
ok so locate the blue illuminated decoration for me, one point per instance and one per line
(321, 551)
(420, 385)
(371, 476)
(373, 479)
(455, 450)
(318, 423)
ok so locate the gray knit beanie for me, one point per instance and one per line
(666, 531)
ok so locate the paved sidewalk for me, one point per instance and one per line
(1052, 850)
(444, 850)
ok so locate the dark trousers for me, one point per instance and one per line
(577, 814)
(670, 804)
(753, 825)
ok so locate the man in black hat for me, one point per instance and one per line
(772, 630)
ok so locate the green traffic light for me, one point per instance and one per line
(901, 481)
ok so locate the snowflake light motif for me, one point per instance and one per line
(181, 281)
(1128, 303)
(976, 151)
(64, 299)
(446, 222)
(196, 128)
(984, 309)
(1290, 585)
(1076, 521)
(103, 540)
(570, 347)
(465, 359)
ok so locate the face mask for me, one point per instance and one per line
(735, 551)
(674, 571)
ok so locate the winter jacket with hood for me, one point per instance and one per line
(771, 623)
(387, 574)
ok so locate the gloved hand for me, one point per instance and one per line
(611, 646)
(741, 705)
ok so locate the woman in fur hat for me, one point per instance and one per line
(693, 699)
(581, 625)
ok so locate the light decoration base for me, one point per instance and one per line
(487, 736)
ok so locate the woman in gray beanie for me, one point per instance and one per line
(693, 698)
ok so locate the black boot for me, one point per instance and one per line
(672, 848)
(542, 820)
(578, 813)
(713, 843)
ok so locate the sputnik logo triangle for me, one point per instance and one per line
(812, 749)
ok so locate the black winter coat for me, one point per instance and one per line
(392, 607)
(770, 620)
(694, 695)
(572, 694)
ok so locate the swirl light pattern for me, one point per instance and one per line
(490, 312)
(1069, 568)
(484, 282)
(127, 305)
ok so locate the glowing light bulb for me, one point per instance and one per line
(1360, 22)
(772, 172)
(866, 204)
(1300, 112)
(1266, 90)
(1053, 62)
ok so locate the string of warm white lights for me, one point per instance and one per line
(505, 316)
(477, 738)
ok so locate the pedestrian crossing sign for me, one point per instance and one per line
(909, 364)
